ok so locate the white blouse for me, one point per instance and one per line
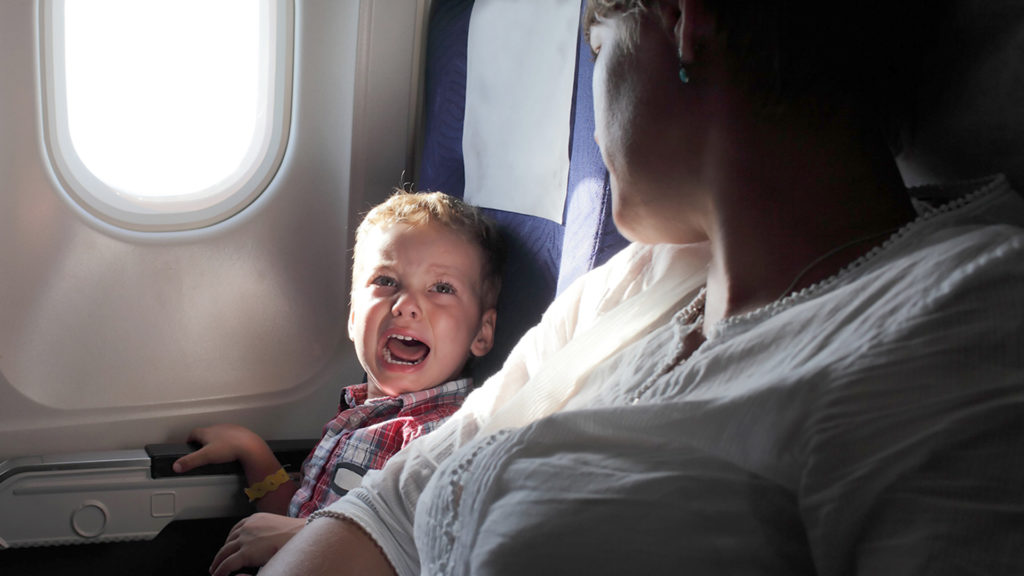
(872, 423)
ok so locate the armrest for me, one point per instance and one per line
(291, 454)
(118, 495)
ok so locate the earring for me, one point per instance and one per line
(683, 76)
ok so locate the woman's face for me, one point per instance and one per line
(640, 128)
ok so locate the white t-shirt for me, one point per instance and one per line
(872, 423)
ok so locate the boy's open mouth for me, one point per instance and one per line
(405, 350)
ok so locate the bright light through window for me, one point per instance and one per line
(167, 106)
(162, 95)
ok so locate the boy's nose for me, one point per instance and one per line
(406, 305)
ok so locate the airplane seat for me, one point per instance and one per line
(544, 256)
(968, 120)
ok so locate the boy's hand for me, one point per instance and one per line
(230, 443)
(221, 443)
(253, 541)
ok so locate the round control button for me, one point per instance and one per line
(90, 519)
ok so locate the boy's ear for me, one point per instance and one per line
(352, 324)
(484, 339)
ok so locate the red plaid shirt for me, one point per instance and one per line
(365, 434)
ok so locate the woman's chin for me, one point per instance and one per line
(635, 230)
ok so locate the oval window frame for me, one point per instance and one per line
(200, 209)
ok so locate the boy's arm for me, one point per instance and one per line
(230, 443)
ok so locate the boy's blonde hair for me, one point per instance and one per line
(419, 208)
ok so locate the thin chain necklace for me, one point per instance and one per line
(693, 314)
(831, 253)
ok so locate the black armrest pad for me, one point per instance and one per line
(291, 454)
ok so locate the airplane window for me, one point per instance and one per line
(166, 115)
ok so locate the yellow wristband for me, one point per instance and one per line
(267, 485)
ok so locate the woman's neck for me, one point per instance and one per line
(787, 215)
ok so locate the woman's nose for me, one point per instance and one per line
(406, 305)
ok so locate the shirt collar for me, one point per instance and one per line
(355, 395)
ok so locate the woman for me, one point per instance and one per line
(824, 378)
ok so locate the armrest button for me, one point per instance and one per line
(90, 519)
(161, 505)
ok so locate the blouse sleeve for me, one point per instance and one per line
(385, 504)
(915, 452)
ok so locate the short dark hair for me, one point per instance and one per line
(865, 53)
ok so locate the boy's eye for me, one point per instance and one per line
(384, 281)
(444, 288)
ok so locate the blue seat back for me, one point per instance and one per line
(544, 256)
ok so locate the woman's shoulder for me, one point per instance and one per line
(966, 245)
(988, 201)
(975, 232)
(964, 232)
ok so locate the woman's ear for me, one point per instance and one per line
(693, 26)
(484, 339)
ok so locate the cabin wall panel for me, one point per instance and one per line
(111, 339)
